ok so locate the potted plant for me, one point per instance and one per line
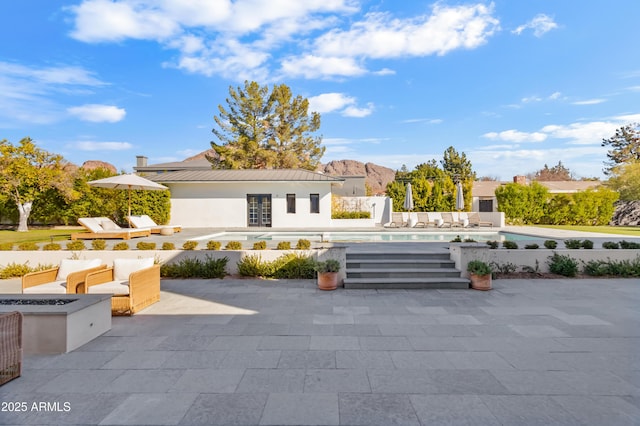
(327, 274)
(480, 275)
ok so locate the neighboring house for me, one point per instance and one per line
(202, 197)
(484, 192)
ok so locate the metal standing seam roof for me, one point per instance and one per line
(253, 175)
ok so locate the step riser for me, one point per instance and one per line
(396, 255)
(406, 286)
(403, 265)
(399, 275)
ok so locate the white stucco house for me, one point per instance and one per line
(203, 197)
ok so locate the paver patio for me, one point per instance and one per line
(252, 352)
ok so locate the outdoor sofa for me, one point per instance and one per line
(67, 278)
(133, 283)
(103, 227)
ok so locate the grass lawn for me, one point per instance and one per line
(35, 235)
(632, 231)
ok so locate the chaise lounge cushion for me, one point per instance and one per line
(67, 266)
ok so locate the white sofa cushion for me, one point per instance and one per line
(54, 287)
(118, 288)
(68, 266)
(122, 268)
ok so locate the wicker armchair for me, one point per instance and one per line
(67, 278)
(10, 346)
(133, 283)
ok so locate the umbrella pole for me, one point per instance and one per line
(129, 215)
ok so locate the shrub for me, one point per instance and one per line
(478, 267)
(303, 244)
(168, 246)
(572, 244)
(493, 244)
(260, 245)
(233, 245)
(214, 245)
(457, 239)
(611, 245)
(6, 246)
(626, 245)
(76, 245)
(510, 244)
(294, 266)
(284, 245)
(190, 245)
(587, 244)
(329, 265)
(551, 244)
(13, 270)
(121, 246)
(253, 266)
(195, 268)
(469, 240)
(623, 268)
(503, 268)
(145, 246)
(531, 246)
(51, 247)
(28, 246)
(350, 215)
(563, 265)
(98, 244)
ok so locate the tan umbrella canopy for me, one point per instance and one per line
(408, 198)
(127, 181)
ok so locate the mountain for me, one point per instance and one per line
(377, 177)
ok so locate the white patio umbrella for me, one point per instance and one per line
(459, 197)
(129, 182)
(408, 198)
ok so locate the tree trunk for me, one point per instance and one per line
(25, 211)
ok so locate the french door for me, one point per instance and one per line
(259, 209)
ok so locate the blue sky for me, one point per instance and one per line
(513, 84)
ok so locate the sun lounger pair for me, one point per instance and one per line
(103, 227)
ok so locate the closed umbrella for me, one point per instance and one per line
(408, 198)
(459, 197)
(129, 182)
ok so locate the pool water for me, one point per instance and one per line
(364, 236)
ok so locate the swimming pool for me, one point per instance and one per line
(363, 236)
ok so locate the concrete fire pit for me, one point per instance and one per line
(59, 323)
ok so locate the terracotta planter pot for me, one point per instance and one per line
(327, 280)
(480, 282)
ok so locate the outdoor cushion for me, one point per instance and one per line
(122, 268)
(108, 225)
(68, 266)
(118, 288)
(142, 221)
(54, 287)
(91, 223)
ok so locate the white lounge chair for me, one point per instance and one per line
(144, 221)
(103, 227)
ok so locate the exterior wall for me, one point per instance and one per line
(224, 205)
(378, 206)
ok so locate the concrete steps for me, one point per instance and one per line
(402, 270)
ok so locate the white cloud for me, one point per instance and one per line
(238, 39)
(540, 25)
(96, 113)
(630, 118)
(424, 120)
(516, 136)
(334, 102)
(555, 95)
(590, 133)
(381, 35)
(32, 95)
(311, 66)
(590, 102)
(102, 146)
